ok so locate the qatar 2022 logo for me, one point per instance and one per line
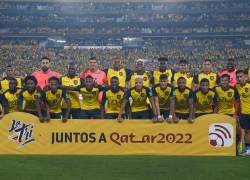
(221, 135)
(21, 132)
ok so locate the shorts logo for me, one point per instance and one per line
(221, 135)
(211, 78)
(121, 73)
(246, 90)
(229, 94)
(21, 133)
(75, 82)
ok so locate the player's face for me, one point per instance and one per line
(53, 85)
(31, 85)
(139, 66)
(45, 65)
(204, 87)
(163, 65)
(181, 83)
(138, 83)
(10, 72)
(207, 66)
(92, 64)
(12, 85)
(72, 70)
(89, 82)
(163, 83)
(117, 63)
(241, 78)
(114, 83)
(183, 67)
(224, 82)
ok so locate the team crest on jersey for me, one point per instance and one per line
(167, 93)
(75, 82)
(142, 95)
(118, 96)
(94, 93)
(211, 78)
(58, 96)
(145, 78)
(185, 95)
(188, 75)
(209, 97)
(246, 90)
(229, 94)
(121, 73)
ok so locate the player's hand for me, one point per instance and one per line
(64, 119)
(47, 119)
(190, 120)
(235, 116)
(175, 119)
(120, 119)
(41, 119)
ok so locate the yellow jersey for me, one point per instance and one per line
(10, 100)
(187, 76)
(72, 95)
(212, 77)
(123, 75)
(226, 99)
(182, 100)
(4, 84)
(158, 73)
(146, 79)
(29, 99)
(113, 100)
(204, 103)
(163, 96)
(244, 93)
(139, 99)
(54, 100)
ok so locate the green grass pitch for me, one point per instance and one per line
(123, 168)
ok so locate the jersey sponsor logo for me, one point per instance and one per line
(75, 82)
(118, 96)
(221, 135)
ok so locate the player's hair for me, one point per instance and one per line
(89, 77)
(139, 77)
(139, 60)
(92, 58)
(45, 57)
(53, 78)
(32, 78)
(162, 59)
(115, 77)
(163, 76)
(180, 78)
(183, 61)
(9, 66)
(225, 76)
(208, 60)
(204, 80)
(71, 64)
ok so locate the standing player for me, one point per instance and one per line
(227, 97)
(204, 99)
(52, 98)
(123, 74)
(10, 73)
(162, 93)
(183, 100)
(69, 83)
(29, 101)
(140, 71)
(162, 70)
(183, 72)
(243, 88)
(90, 108)
(10, 97)
(112, 98)
(139, 106)
(207, 73)
(43, 75)
(231, 71)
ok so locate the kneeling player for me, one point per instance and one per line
(112, 98)
(183, 101)
(204, 99)
(29, 101)
(139, 106)
(243, 88)
(52, 98)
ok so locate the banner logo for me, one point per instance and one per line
(221, 135)
(21, 133)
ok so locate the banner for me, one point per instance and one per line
(22, 133)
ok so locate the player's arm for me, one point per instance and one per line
(172, 107)
(1, 104)
(123, 105)
(156, 101)
(20, 102)
(191, 106)
(103, 104)
(47, 108)
(5, 104)
(216, 100)
(68, 104)
(237, 102)
(194, 104)
(195, 83)
(38, 109)
(152, 102)
(172, 79)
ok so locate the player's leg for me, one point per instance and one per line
(245, 124)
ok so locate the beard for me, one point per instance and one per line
(45, 68)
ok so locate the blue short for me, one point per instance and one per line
(182, 116)
(245, 121)
(56, 115)
(141, 115)
(74, 113)
(113, 116)
(90, 114)
(165, 113)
